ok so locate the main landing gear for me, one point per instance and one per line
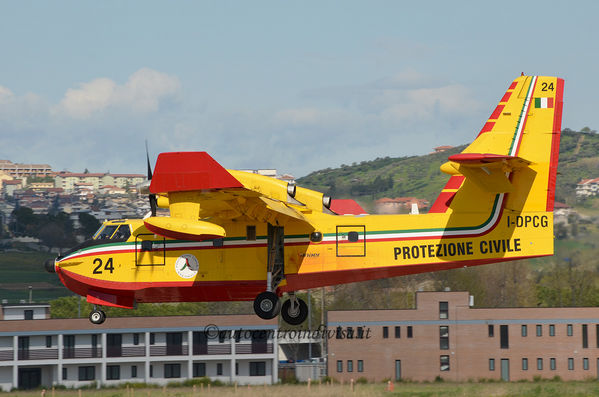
(267, 305)
(97, 316)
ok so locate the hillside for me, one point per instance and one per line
(419, 176)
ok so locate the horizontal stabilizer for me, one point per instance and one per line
(474, 159)
(183, 229)
(487, 170)
(187, 171)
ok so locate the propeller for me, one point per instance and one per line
(152, 197)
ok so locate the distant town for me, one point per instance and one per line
(105, 196)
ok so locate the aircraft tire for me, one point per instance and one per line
(267, 305)
(97, 317)
(300, 314)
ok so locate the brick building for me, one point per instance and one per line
(444, 336)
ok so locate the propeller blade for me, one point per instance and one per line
(148, 161)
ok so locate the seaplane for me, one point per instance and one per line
(230, 235)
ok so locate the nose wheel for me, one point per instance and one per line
(97, 316)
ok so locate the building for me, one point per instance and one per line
(399, 205)
(445, 337)
(24, 311)
(587, 187)
(24, 170)
(75, 353)
(70, 180)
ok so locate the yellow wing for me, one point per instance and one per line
(201, 195)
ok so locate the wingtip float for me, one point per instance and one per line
(232, 235)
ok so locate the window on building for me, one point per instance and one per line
(219, 369)
(570, 364)
(551, 330)
(398, 332)
(339, 366)
(136, 339)
(585, 336)
(174, 343)
(525, 364)
(134, 371)
(443, 310)
(524, 330)
(504, 340)
(48, 341)
(236, 368)
(65, 373)
(444, 361)
(491, 364)
(339, 333)
(87, 372)
(257, 368)
(350, 366)
(28, 314)
(491, 330)
(540, 364)
(152, 338)
(114, 344)
(222, 335)
(172, 370)
(410, 332)
(585, 364)
(597, 334)
(360, 334)
(444, 337)
(361, 365)
(350, 332)
(199, 370)
(113, 372)
(539, 330)
(151, 371)
(95, 339)
(385, 332)
(569, 330)
(552, 364)
(23, 347)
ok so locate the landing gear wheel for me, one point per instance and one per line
(97, 316)
(267, 305)
(294, 315)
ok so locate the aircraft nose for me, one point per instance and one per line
(49, 265)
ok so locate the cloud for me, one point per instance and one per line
(142, 93)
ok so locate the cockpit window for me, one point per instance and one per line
(105, 233)
(113, 232)
(122, 233)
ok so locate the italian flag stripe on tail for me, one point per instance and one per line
(543, 103)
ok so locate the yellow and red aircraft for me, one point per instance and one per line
(238, 236)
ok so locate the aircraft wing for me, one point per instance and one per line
(202, 195)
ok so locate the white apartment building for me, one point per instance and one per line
(74, 352)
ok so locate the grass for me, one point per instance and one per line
(543, 388)
(19, 270)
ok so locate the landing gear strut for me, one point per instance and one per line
(97, 316)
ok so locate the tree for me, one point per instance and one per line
(89, 224)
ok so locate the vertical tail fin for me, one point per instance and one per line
(516, 152)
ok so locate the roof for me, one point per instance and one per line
(347, 207)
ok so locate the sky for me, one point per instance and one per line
(296, 86)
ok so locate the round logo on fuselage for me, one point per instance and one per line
(187, 266)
